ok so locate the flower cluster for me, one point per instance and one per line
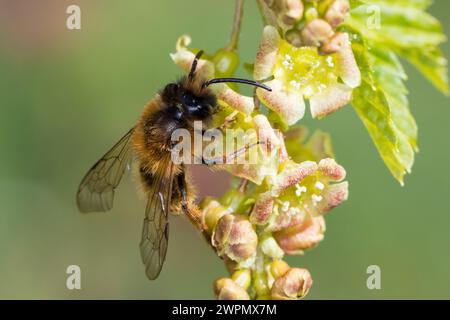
(309, 22)
(253, 229)
(303, 73)
(278, 204)
(313, 61)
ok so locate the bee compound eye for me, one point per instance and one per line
(190, 100)
(171, 88)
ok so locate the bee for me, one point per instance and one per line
(148, 144)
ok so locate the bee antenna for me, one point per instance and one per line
(194, 64)
(237, 80)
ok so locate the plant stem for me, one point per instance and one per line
(236, 30)
(243, 186)
(259, 276)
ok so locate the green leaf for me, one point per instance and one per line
(393, 28)
(399, 25)
(432, 64)
(356, 3)
(389, 76)
(405, 28)
(382, 105)
(420, 4)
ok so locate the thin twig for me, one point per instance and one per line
(236, 30)
(243, 186)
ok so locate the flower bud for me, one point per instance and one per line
(295, 239)
(227, 289)
(294, 9)
(290, 12)
(293, 285)
(235, 238)
(278, 268)
(316, 32)
(337, 12)
(243, 277)
(334, 44)
(225, 62)
(212, 211)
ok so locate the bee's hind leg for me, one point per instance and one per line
(187, 206)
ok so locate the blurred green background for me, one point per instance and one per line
(67, 96)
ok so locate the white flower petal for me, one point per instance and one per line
(235, 100)
(184, 58)
(289, 105)
(267, 53)
(266, 133)
(346, 64)
(330, 100)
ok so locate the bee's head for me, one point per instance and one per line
(189, 100)
(190, 97)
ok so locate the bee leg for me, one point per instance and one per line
(191, 210)
(229, 120)
(228, 159)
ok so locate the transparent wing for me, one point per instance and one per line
(96, 190)
(155, 230)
